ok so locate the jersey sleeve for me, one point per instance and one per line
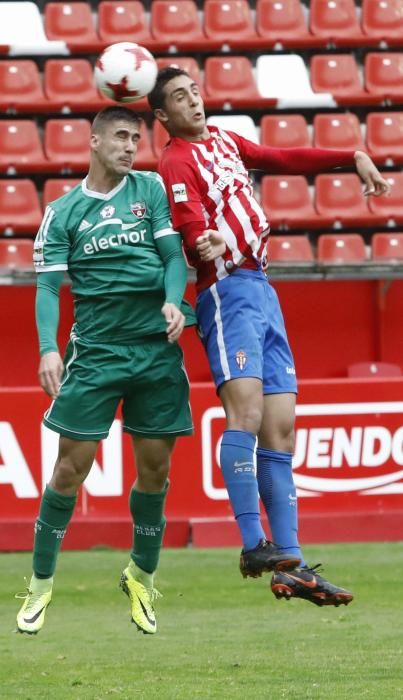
(52, 244)
(183, 190)
(297, 161)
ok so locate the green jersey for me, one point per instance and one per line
(111, 246)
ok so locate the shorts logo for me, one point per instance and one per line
(138, 209)
(108, 211)
(179, 192)
(241, 359)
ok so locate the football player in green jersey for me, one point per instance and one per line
(113, 235)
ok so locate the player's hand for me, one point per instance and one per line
(175, 321)
(375, 184)
(50, 373)
(210, 245)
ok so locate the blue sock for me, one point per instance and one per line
(277, 491)
(238, 470)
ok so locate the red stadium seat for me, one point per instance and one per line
(283, 22)
(387, 247)
(374, 369)
(20, 210)
(389, 209)
(53, 189)
(229, 81)
(229, 22)
(145, 157)
(21, 147)
(338, 74)
(383, 20)
(71, 22)
(384, 75)
(337, 131)
(339, 249)
(16, 255)
(66, 143)
(287, 249)
(187, 63)
(385, 136)
(287, 202)
(176, 23)
(123, 21)
(20, 86)
(340, 198)
(284, 131)
(69, 82)
(336, 21)
(159, 137)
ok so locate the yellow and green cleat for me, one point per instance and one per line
(31, 616)
(142, 602)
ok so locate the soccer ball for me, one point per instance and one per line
(125, 72)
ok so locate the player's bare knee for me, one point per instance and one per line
(68, 476)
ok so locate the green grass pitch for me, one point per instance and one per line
(219, 636)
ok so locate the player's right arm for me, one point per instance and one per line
(51, 249)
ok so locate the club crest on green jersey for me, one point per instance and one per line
(108, 211)
(138, 209)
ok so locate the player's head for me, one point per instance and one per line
(115, 133)
(177, 104)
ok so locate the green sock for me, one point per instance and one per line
(142, 576)
(147, 511)
(50, 527)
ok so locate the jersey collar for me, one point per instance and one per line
(101, 195)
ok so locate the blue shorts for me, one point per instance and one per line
(242, 329)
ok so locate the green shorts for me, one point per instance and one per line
(148, 377)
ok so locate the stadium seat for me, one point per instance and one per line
(389, 208)
(384, 75)
(383, 20)
(72, 22)
(176, 23)
(187, 63)
(21, 147)
(241, 124)
(284, 131)
(287, 203)
(66, 143)
(53, 189)
(387, 247)
(337, 131)
(145, 157)
(286, 249)
(229, 83)
(20, 210)
(285, 78)
(340, 198)
(229, 22)
(282, 23)
(16, 255)
(373, 369)
(21, 87)
(125, 20)
(336, 21)
(384, 137)
(69, 85)
(159, 138)
(338, 75)
(341, 248)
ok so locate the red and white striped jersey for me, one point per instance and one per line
(208, 185)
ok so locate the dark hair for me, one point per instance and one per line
(156, 97)
(112, 114)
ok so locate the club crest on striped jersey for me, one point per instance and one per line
(108, 211)
(138, 209)
(240, 357)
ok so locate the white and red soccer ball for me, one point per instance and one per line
(125, 72)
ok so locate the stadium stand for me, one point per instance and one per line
(383, 76)
(20, 209)
(123, 21)
(69, 86)
(72, 22)
(287, 203)
(282, 23)
(284, 131)
(53, 189)
(286, 249)
(66, 144)
(374, 369)
(338, 75)
(229, 21)
(337, 22)
(340, 249)
(176, 23)
(21, 147)
(21, 87)
(384, 137)
(15, 256)
(337, 131)
(339, 198)
(389, 209)
(388, 247)
(382, 20)
(229, 83)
